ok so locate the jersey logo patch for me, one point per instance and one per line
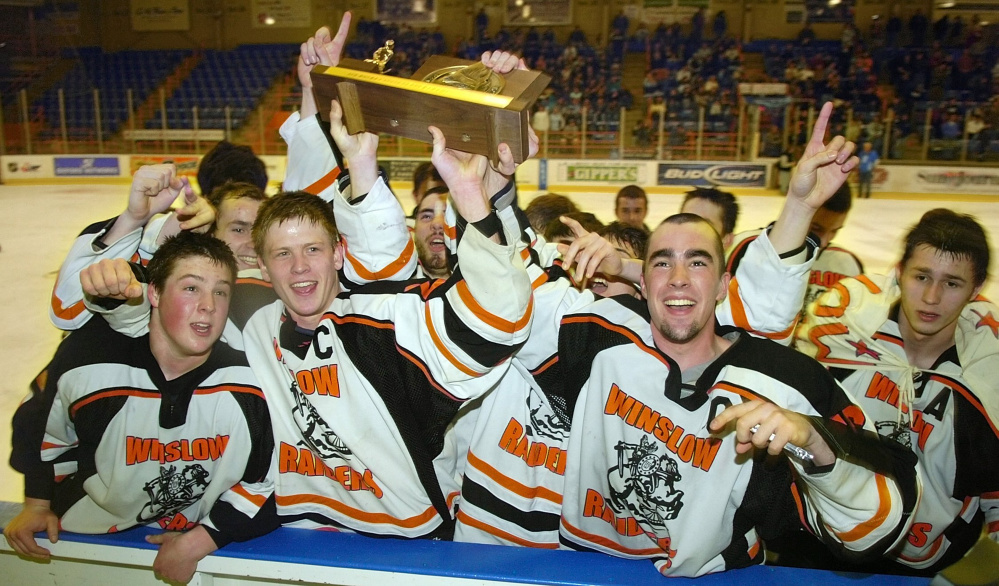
(987, 321)
(643, 483)
(173, 491)
(862, 349)
(545, 422)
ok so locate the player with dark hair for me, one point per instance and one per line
(628, 242)
(425, 178)
(169, 428)
(631, 206)
(558, 232)
(230, 162)
(919, 351)
(545, 208)
(718, 207)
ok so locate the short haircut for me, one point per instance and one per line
(631, 192)
(235, 190)
(442, 189)
(959, 235)
(425, 172)
(229, 162)
(556, 229)
(841, 201)
(684, 218)
(545, 208)
(187, 244)
(636, 238)
(292, 205)
(723, 199)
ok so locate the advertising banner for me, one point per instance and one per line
(713, 174)
(186, 164)
(160, 15)
(281, 13)
(14, 168)
(921, 179)
(87, 167)
(597, 172)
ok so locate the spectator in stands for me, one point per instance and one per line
(865, 170)
(631, 206)
(718, 207)
(719, 26)
(806, 36)
(620, 23)
(481, 24)
(894, 28)
(545, 208)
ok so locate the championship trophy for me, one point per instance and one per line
(475, 108)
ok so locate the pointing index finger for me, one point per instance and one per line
(819, 130)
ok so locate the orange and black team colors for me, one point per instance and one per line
(649, 480)
(112, 444)
(947, 415)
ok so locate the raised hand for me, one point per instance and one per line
(589, 253)
(111, 278)
(463, 173)
(502, 62)
(823, 167)
(154, 189)
(360, 151)
(319, 49)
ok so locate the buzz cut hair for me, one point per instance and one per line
(185, 245)
(723, 199)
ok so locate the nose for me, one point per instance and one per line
(208, 302)
(299, 264)
(932, 293)
(679, 276)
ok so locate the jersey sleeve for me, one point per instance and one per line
(28, 426)
(766, 291)
(67, 310)
(377, 244)
(314, 163)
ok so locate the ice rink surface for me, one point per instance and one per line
(39, 222)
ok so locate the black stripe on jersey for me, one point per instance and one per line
(258, 422)
(735, 256)
(794, 369)
(91, 424)
(420, 412)
(580, 547)
(98, 227)
(248, 296)
(767, 506)
(233, 525)
(484, 499)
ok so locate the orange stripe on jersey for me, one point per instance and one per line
(230, 388)
(735, 302)
(545, 366)
(390, 269)
(253, 281)
(990, 495)
(741, 391)
(353, 319)
(967, 394)
(405, 353)
(517, 488)
(444, 351)
(603, 541)
(754, 549)
(616, 328)
(884, 507)
(112, 393)
(525, 254)
(357, 514)
(467, 519)
(66, 313)
(541, 280)
(52, 446)
(493, 321)
(736, 252)
(257, 499)
(993, 526)
(451, 232)
(450, 499)
(325, 181)
(888, 338)
(798, 504)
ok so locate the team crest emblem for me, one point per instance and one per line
(317, 435)
(862, 349)
(644, 483)
(894, 431)
(546, 419)
(171, 492)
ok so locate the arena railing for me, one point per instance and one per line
(295, 556)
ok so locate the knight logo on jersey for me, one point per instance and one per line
(545, 422)
(173, 491)
(644, 483)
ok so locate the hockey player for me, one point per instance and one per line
(834, 262)
(919, 352)
(673, 419)
(718, 207)
(169, 429)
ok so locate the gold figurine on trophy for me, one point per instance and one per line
(382, 55)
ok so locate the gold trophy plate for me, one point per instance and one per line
(472, 121)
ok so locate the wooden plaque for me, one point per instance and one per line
(472, 121)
